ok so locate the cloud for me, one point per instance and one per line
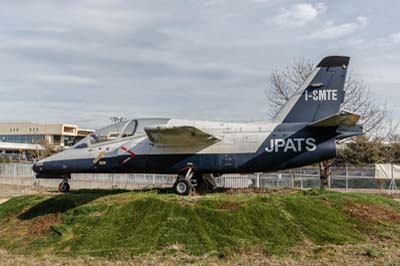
(332, 31)
(64, 79)
(395, 37)
(299, 14)
(382, 42)
(391, 39)
(262, 1)
(133, 58)
(213, 2)
(40, 30)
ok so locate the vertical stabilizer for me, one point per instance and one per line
(320, 95)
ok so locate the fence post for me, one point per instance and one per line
(258, 180)
(329, 172)
(154, 180)
(292, 176)
(392, 185)
(347, 178)
(277, 181)
(301, 179)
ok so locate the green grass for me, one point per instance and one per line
(120, 223)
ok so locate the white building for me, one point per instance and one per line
(18, 138)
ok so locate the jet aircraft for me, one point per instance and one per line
(304, 132)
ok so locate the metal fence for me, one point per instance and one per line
(138, 180)
(16, 170)
(306, 177)
(309, 177)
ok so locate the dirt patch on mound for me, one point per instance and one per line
(372, 213)
(395, 196)
(42, 225)
(229, 205)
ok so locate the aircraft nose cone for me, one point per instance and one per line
(49, 169)
(38, 167)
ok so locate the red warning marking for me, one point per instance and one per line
(185, 168)
(131, 155)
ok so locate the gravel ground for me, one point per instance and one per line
(9, 191)
(352, 255)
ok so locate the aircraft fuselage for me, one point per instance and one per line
(243, 148)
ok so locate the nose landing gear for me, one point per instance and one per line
(64, 186)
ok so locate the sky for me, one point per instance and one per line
(83, 61)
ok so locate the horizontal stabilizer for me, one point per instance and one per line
(179, 136)
(343, 118)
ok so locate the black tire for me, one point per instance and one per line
(63, 187)
(202, 185)
(182, 187)
(210, 188)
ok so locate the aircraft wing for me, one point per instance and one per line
(344, 118)
(181, 135)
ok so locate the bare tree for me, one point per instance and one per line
(42, 150)
(392, 145)
(283, 83)
(359, 99)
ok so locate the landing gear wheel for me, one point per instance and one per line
(182, 187)
(203, 185)
(63, 187)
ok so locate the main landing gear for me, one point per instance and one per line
(189, 180)
(182, 186)
(64, 186)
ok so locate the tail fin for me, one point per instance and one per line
(321, 94)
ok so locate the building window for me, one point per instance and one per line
(38, 139)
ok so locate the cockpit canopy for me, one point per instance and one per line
(119, 130)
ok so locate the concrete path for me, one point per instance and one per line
(3, 200)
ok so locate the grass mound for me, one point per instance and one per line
(120, 223)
